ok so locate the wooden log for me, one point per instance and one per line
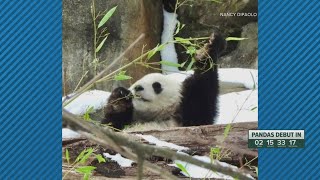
(199, 140)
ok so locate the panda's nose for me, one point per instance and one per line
(138, 88)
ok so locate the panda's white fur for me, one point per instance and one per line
(169, 53)
(149, 106)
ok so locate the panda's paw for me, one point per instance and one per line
(212, 50)
(119, 109)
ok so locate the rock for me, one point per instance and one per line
(131, 18)
(203, 17)
(246, 54)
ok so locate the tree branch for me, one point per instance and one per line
(107, 138)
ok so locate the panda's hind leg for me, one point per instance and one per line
(200, 91)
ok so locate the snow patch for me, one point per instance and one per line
(123, 162)
(245, 77)
(180, 76)
(238, 107)
(199, 172)
(168, 53)
(69, 134)
(157, 142)
(95, 98)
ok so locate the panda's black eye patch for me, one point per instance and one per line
(157, 87)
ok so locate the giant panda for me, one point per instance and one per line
(161, 101)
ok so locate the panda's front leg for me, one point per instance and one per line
(119, 109)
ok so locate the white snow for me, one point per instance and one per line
(94, 98)
(236, 77)
(199, 172)
(238, 107)
(69, 134)
(168, 53)
(157, 142)
(180, 76)
(244, 77)
(123, 162)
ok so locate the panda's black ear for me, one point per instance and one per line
(157, 87)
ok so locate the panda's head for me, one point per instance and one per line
(155, 92)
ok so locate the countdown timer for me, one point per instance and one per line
(276, 139)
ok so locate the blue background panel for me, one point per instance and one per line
(30, 85)
(30, 89)
(289, 85)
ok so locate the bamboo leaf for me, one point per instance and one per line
(85, 169)
(67, 156)
(254, 108)
(191, 50)
(86, 176)
(155, 50)
(182, 168)
(216, 1)
(101, 44)
(107, 16)
(227, 130)
(235, 39)
(100, 158)
(168, 63)
(87, 155)
(80, 155)
(122, 76)
(191, 64)
(182, 40)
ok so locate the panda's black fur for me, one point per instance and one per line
(169, 5)
(199, 92)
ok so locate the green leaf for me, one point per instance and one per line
(254, 108)
(216, 1)
(101, 44)
(256, 168)
(107, 16)
(80, 156)
(182, 40)
(122, 76)
(227, 130)
(87, 155)
(215, 153)
(155, 50)
(191, 50)
(168, 63)
(182, 168)
(191, 64)
(179, 27)
(235, 39)
(67, 156)
(86, 115)
(86, 176)
(215, 150)
(100, 158)
(182, 64)
(85, 169)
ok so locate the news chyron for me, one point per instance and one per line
(276, 139)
